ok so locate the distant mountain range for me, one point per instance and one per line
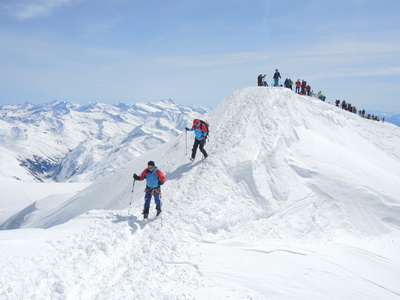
(61, 141)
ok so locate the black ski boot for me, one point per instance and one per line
(158, 211)
(145, 213)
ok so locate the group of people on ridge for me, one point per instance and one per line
(154, 176)
(351, 108)
(301, 88)
(262, 82)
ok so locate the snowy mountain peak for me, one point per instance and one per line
(63, 141)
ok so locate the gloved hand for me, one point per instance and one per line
(136, 177)
(160, 182)
(186, 128)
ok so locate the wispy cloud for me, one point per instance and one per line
(28, 9)
(364, 59)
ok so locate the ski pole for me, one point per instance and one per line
(186, 142)
(130, 202)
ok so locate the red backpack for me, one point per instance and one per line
(205, 123)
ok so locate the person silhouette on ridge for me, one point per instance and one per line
(260, 80)
(276, 77)
(201, 132)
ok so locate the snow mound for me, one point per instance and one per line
(289, 167)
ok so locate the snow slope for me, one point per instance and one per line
(298, 200)
(17, 197)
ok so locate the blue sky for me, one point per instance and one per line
(197, 52)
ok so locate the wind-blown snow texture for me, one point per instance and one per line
(68, 142)
(298, 200)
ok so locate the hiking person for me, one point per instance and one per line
(308, 90)
(154, 179)
(298, 85)
(320, 96)
(286, 84)
(276, 77)
(200, 131)
(303, 87)
(260, 80)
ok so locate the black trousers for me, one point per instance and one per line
(196, 144)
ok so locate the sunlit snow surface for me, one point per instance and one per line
(298, 200)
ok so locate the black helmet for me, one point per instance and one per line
(151, 163)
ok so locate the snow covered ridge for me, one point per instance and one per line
(283, 161)
(61, 141)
